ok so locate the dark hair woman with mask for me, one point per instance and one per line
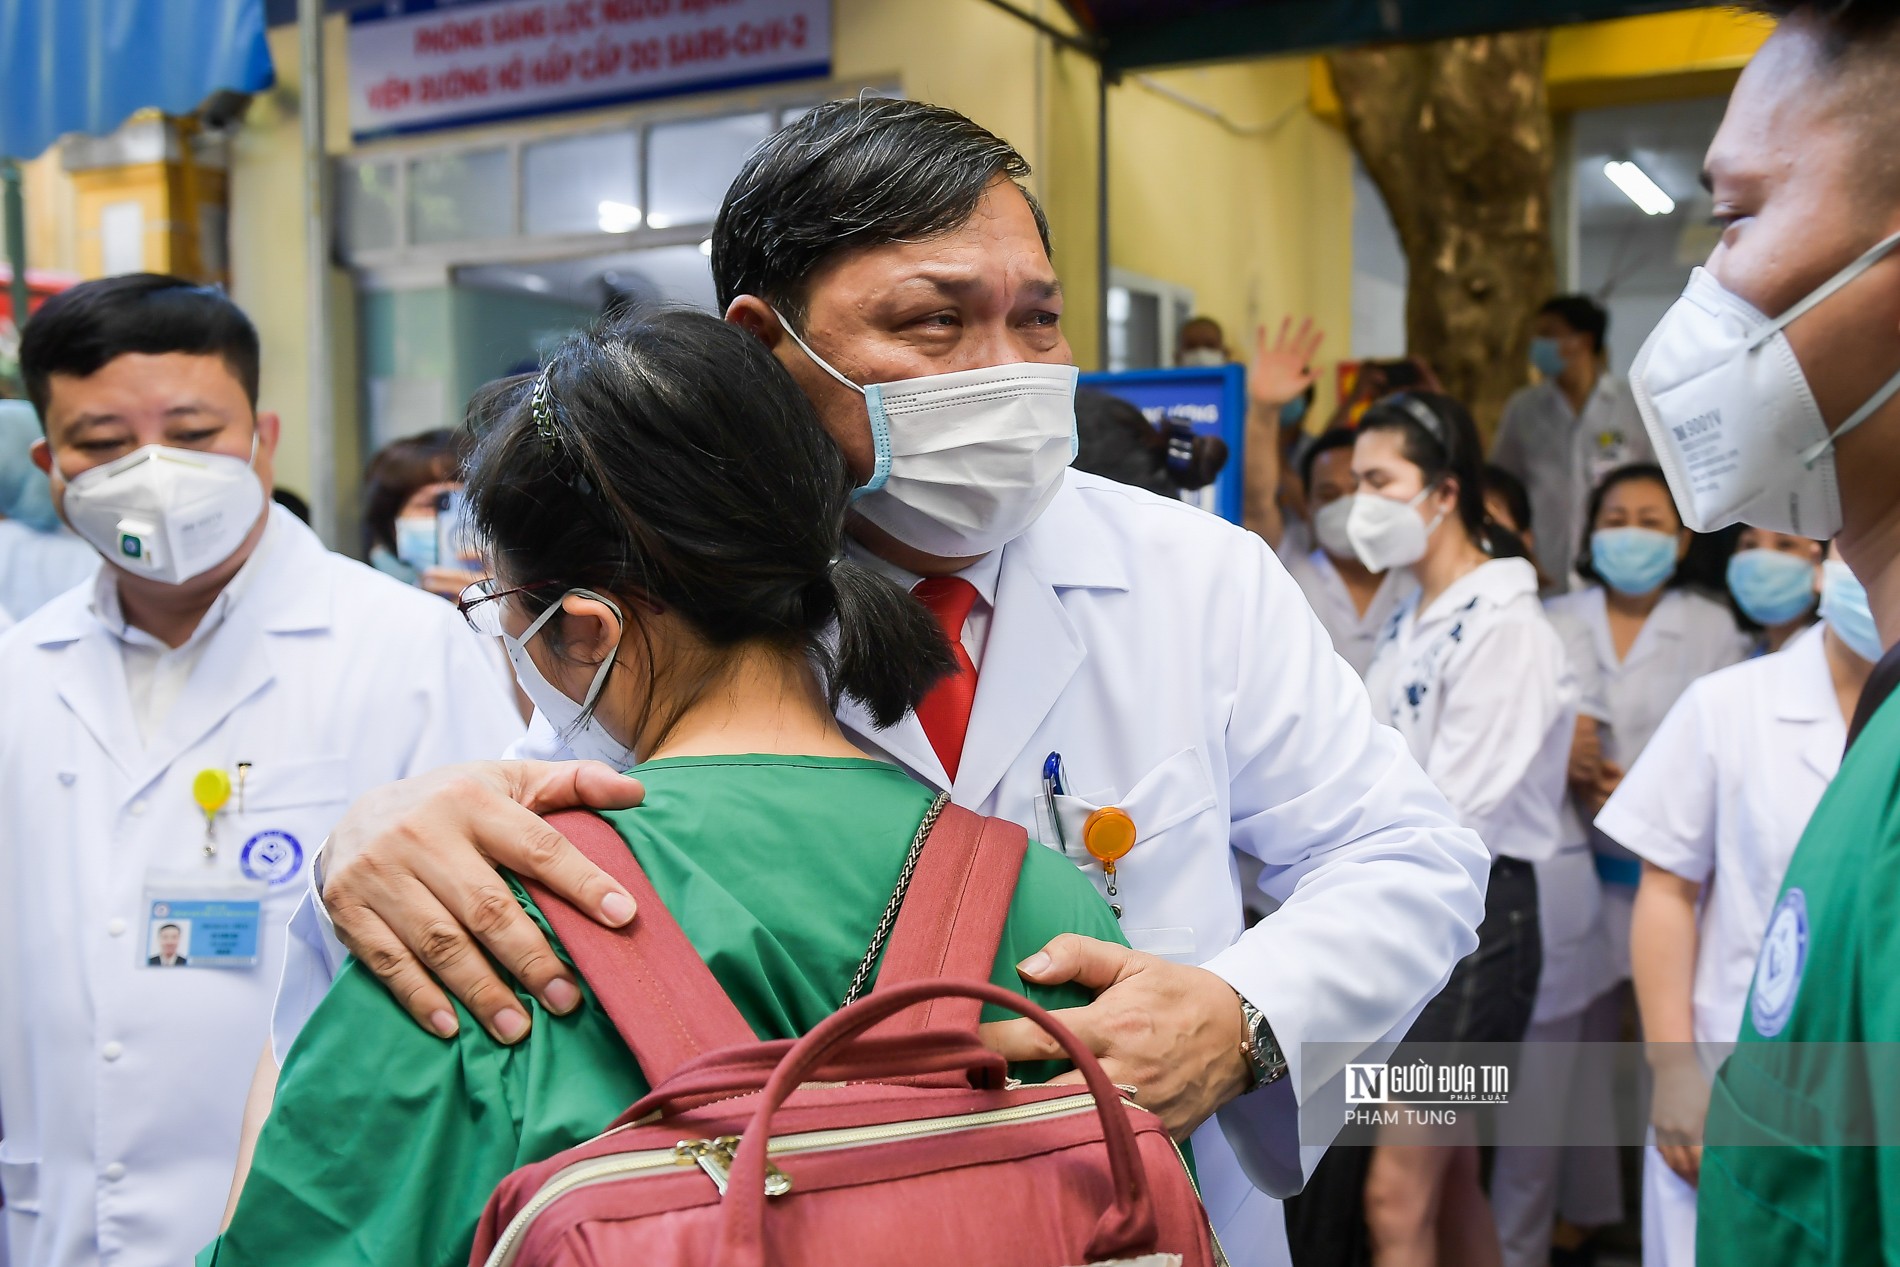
(1651, 636)
(664, 515)
(1470, 672)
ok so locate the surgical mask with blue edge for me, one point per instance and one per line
(1547, 355)
(1633, 561)
(963, 462)
(1844, 608)
(1771, 587)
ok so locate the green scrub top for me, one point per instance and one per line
(384, 1142)
(1782, 1181)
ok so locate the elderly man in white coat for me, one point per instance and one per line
(1119, 650)
(176, 738)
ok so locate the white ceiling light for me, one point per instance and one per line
(618, 217)
(1642, 191)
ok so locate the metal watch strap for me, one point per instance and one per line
(1260, 1047)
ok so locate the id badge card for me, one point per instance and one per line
(201, 919)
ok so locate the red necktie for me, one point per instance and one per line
(945, 712)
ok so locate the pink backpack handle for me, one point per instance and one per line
(1126, 1228)
(952, 919)
(953, 1058)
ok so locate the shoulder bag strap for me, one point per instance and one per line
(659, 993)
(952, 917)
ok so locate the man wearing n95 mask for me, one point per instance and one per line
(887, 255)
(1770, 391)
(178, 736)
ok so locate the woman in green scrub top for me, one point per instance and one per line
(664, 514)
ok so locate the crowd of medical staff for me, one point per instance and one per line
(1641, 719)
(1594, 737)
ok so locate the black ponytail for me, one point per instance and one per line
(886, 641)
(669, 460)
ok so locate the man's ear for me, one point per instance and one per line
(755, 316)
(42, 455)
(270, 429)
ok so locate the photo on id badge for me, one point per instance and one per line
(207, 911)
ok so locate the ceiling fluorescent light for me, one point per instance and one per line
(1642, 191)
(618, 217)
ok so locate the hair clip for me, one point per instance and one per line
(542, 410)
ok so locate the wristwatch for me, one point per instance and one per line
(1260, 1047)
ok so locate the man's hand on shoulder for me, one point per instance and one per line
(1171, 1031)
(412, 885)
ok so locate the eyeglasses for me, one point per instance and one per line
(480, 607)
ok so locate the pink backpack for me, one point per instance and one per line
(887, 1134)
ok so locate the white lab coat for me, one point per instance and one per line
(1171, 661)
(1721, 796)
(1483, 692)
(121, 1087)
(1354, 636)
(36, 566)
(1687, 636)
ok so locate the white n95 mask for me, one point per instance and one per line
(1389, 534)
(966, 461)
(585, 737)
(1331, 528)
(1734, 424)
(170, 514)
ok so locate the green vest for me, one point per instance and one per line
(1787, 1177)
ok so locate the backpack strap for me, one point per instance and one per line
(658, 992)
(952, 917)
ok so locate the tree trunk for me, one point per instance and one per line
(1457, 136)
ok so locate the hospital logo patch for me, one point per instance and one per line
(273, 857)
(1778, 969)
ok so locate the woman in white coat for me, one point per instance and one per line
(1774, 578)
(1525, 1178)
(1651, 638)
(1471, 673)
(1714, 807)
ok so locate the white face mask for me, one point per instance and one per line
(168, 514)
(965, 462)
(1202, 357)
(1330, 528)
(1388, 534)
(1734, 424)
(585, 737)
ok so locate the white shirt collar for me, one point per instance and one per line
(1496, 581)
(982, 574)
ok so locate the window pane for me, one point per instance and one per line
(690, 164)
(368, 195)
(460, 197)
(582, 184)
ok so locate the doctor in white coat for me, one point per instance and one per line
(884, 251)
(1473, 676)
(176, 738)
(1714, 807)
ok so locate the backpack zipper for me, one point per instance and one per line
(714, 1156)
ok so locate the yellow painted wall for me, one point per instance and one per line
(267, 266)
(1256, 217)
(1657, 57)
